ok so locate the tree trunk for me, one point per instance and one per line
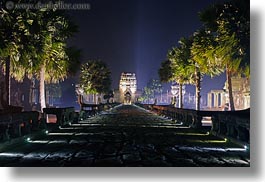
(198, 90)
(8, 83)
(93, 98)
(180, 96)
(42, 88)
(27, 88)
(230, 90)
(79, 100)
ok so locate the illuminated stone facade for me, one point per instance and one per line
(127, 88)
(219, 99)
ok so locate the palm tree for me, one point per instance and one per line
(53, 68)
(147, 94)
(185, 66)
(35, 45)
(15, 50)
(178, 68)
(165, 71)
(230, 25)
(202, 45)
(155, 87)
(52, 60)
(95, 77)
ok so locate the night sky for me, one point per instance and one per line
(135, 35)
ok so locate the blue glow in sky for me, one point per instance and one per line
(135, 35)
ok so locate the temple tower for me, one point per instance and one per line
(127, 88)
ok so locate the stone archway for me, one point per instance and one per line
(128, 87)
(127, 98)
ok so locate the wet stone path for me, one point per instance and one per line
(124, 136)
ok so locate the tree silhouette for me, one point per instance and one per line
(229, 23)
(95, 77)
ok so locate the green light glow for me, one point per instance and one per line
(208, 141)
(194, 134)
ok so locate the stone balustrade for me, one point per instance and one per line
(14, 125)
(233, 125)
(185, 116)
(64, 116)
(11, 109)
(89, 110)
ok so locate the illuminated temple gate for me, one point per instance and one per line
(127, 88)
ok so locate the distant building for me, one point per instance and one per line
(25, 94)
(19, 92)
(219, 99)
(127, 92)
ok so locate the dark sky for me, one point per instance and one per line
(135, 35)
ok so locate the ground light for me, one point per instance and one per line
(193, 134)
(209, 141)
(55, 134)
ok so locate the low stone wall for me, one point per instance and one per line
(64, 116)
(230, 124)
(89, 110)
(235, 125)
(18, 124)
(186, 116)
(11, 109)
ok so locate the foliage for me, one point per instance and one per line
(33, 38)
(202, 52)
(15, 38)
(146, 95)
(53, 29)
(155, 86)
(230, 26)
(181, 63)
(95, 77)
(178, 65)
(166, 71)
(34, 41)
(229, 23)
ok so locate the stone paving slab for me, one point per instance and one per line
(126, 136)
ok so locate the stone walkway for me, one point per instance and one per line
(125, 136)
